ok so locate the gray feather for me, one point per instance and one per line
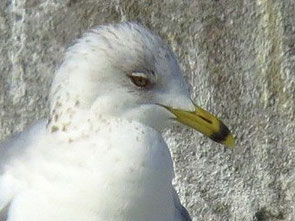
(182, 211)
(4, 213)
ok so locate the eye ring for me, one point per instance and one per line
(140, 80)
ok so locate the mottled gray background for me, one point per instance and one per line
(238, 55)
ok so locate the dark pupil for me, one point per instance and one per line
(140, 81)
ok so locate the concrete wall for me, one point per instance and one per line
(238, 55)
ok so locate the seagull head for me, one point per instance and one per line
(126, 71)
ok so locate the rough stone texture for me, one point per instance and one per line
(238, 55)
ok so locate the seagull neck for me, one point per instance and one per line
(71, 120)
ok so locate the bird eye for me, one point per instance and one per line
(140, 79)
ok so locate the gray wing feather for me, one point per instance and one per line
(4, 213)
(180, 208)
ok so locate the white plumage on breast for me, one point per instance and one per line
(120, 164)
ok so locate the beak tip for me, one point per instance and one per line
(229, 141)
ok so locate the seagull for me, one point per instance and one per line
(100, 155)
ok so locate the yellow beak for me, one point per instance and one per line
(206, 123)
